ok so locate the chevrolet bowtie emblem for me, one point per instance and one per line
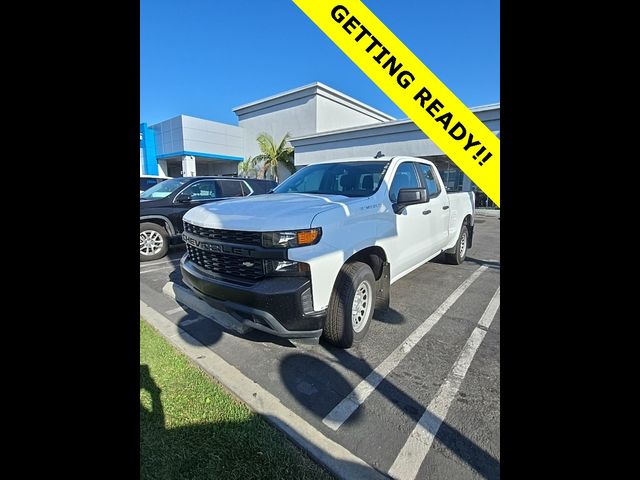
(248, 264)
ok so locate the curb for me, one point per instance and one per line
(487, 213)
(333, 456)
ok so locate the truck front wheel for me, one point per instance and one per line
(351, 305)
(460, 250)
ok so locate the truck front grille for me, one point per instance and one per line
(231, 265)
(226, 236)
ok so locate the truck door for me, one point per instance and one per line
(438, 205)
(409, 244)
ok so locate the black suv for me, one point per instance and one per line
(163, 205)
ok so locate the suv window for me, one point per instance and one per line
(405, 177)
(229, 188)
(164, 188)
(202, 190)
(429, 180)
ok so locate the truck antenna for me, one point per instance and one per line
(379, 154)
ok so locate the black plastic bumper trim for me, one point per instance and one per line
(274, 310)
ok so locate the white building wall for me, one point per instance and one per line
(332, 115)
(206, 136)
(393, 138)
(410, 143)
(297, 117)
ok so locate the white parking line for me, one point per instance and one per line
(174, 310)
(159, 262)
(156, 269)
(350, 404)
(414, 451)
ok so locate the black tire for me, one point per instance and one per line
(338, 328)
(460, 253)
(163, 236)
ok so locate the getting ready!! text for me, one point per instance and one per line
(385, 58)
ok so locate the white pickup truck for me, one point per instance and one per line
(318, 255)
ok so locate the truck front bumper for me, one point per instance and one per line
(273, 305)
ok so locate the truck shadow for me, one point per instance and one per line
(491, 264)
(319, 387)
(441, 260)
(390, 316)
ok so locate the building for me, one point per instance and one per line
(323, 122)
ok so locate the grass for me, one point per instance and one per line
(191, 428)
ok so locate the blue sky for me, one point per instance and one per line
(202, 58)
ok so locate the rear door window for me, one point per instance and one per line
(202, 190)
(230, 188)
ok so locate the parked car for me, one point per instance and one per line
(163, 205)
(319, 254)
(148, 181)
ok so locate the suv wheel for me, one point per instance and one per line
(154, 242)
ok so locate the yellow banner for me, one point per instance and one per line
(412, 87)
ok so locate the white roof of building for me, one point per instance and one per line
(316, 88)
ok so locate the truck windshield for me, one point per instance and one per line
(164, 189)
(351, 179)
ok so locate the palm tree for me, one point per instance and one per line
(246, 167)
(272, 155)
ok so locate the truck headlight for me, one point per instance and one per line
(292, 238)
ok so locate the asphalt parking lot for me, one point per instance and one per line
(419, 398)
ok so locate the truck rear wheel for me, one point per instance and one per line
(460, 250)
(154, 242)
(351, 305)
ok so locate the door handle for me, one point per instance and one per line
(445, 207)
(426, 212)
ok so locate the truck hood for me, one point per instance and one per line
(263, 213)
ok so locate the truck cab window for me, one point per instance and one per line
(429, 180)
(351, 179)
(405, 177)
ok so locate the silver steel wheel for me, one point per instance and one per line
(151, 242)
(361, 307)
(463, 244)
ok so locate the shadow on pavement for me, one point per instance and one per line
(390, 316)
(490, 264)
(319, 387)
(313, 382)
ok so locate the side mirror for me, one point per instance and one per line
(183, 198)
(410, 196)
